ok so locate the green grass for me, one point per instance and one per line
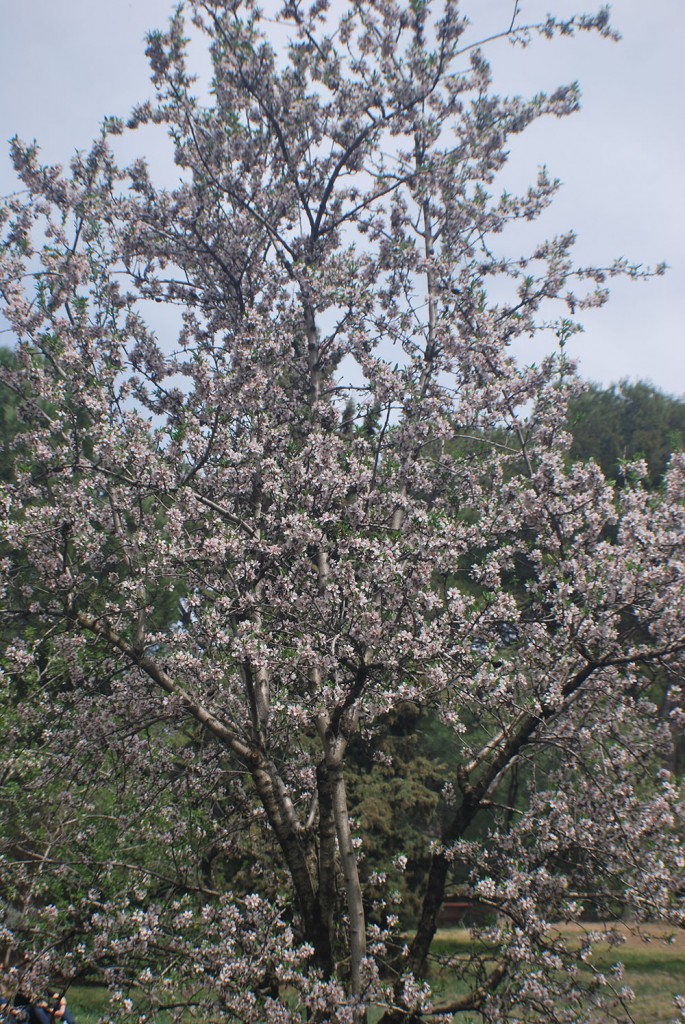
(654, 967)
(655, 970)
(87, 1002)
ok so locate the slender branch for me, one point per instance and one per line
(99, 627)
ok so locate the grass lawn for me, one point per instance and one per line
(654, 967)
(87, 1002)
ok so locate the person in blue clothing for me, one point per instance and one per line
(26, 1012)
(57, 1009)
(51, 1010)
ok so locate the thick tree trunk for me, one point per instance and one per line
(434, 893)
(353, 890)
(314, 925)
(327, 859)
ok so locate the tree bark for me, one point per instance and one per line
(353, 891)
(326, 859)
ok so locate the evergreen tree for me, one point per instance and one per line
(624, 423)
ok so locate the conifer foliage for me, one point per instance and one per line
(235, 545)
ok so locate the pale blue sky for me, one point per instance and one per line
(66, 63)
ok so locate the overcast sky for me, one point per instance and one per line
(66, 63)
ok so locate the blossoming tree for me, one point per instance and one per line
(240, 536)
